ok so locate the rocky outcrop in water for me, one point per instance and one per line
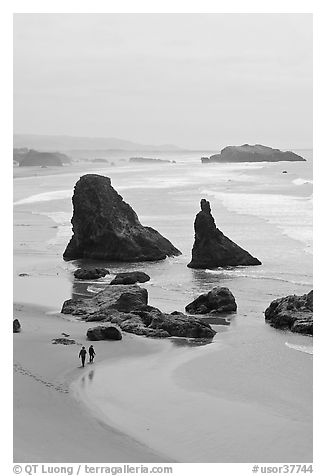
(118, 298)
(16, 325)
(292, 312)
(212, 248)
(107, 228)
(93, 273)
(151, 322)
(126, 306)
(104, 333)
(131, 277)
(218, 300)
(252, 153)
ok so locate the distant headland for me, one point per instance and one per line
(252, 153)
(29, 157)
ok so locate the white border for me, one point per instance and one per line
(6, 90)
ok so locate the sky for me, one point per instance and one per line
(199, 81)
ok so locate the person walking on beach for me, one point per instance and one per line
(91, 352)
(82, 355)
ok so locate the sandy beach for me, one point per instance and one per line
(50, 425)
(223, 414)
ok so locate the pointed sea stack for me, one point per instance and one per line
(212, 249)
(107, 228)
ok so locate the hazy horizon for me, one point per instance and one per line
(197, 81)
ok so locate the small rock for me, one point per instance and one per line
(63, 341)
(104, 333)
(94, 273)
(23, 275)
(130, 278)
(219, 299)
(16, 325)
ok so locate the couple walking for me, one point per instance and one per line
(83, 353)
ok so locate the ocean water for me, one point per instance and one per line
(266, 211)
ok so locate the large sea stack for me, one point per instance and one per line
(252, 153)
(212, 249)
(107, 228)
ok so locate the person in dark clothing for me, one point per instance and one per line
(82, 355)
(91, 352)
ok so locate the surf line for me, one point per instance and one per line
(45, 197)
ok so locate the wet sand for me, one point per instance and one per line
(242, 398)
(50, 425)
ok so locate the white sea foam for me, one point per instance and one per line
(301, 181)
(307, 349)
(293, 215)
(45, 197)
(94, 289)
(64, 230)
(255, 274)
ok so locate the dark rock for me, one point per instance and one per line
(130, 311)
(253, 153)
(16, 325)
(130, 278)
(135, 325)
(64, 341)
(130, 301)
(107, 228)
(104, 333)
(180, 325)
(217, 300)
(154, 323)
(284, 172)
(112, 298)
(212, 248)
(23, 275)
(94, 273)
(292, 312)
(105, 314)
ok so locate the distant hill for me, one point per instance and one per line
(61, 142)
